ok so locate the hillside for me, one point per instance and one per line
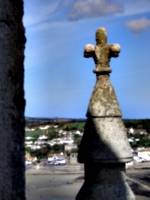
(134, 123)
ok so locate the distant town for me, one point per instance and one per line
(55, 141)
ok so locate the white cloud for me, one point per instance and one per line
(37, 12)
(135, 7)
(139, 25)
(83, 9)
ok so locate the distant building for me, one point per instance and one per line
(136, 131)
(70, 147)
(79, 133)
(29, 158)
(73, 158)
(56, 159)
(44, 127)
(131, 131)
(28, 138)
(42, 137)
(29, 129)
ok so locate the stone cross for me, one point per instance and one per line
(104, 147)
(102, 52)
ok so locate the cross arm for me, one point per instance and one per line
(114, 50)
(89, 50)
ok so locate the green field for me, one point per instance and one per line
(72, 126)
(35, 133)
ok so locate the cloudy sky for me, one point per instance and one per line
(59, 80)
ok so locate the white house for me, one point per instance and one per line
(70, 147)
(42, 137)
(35, 147)
(145, 155)
(28, 142)
(57, 159)
(44, 127)
(28, 138)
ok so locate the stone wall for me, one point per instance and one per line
(12, 103)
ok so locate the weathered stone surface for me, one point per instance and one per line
(102, 52)
(12, 103)
(103, 181)
(104, 141)
(103, 101)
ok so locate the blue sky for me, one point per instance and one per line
(59, 80)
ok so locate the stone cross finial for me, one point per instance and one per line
(102, 52)
(104, 148)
